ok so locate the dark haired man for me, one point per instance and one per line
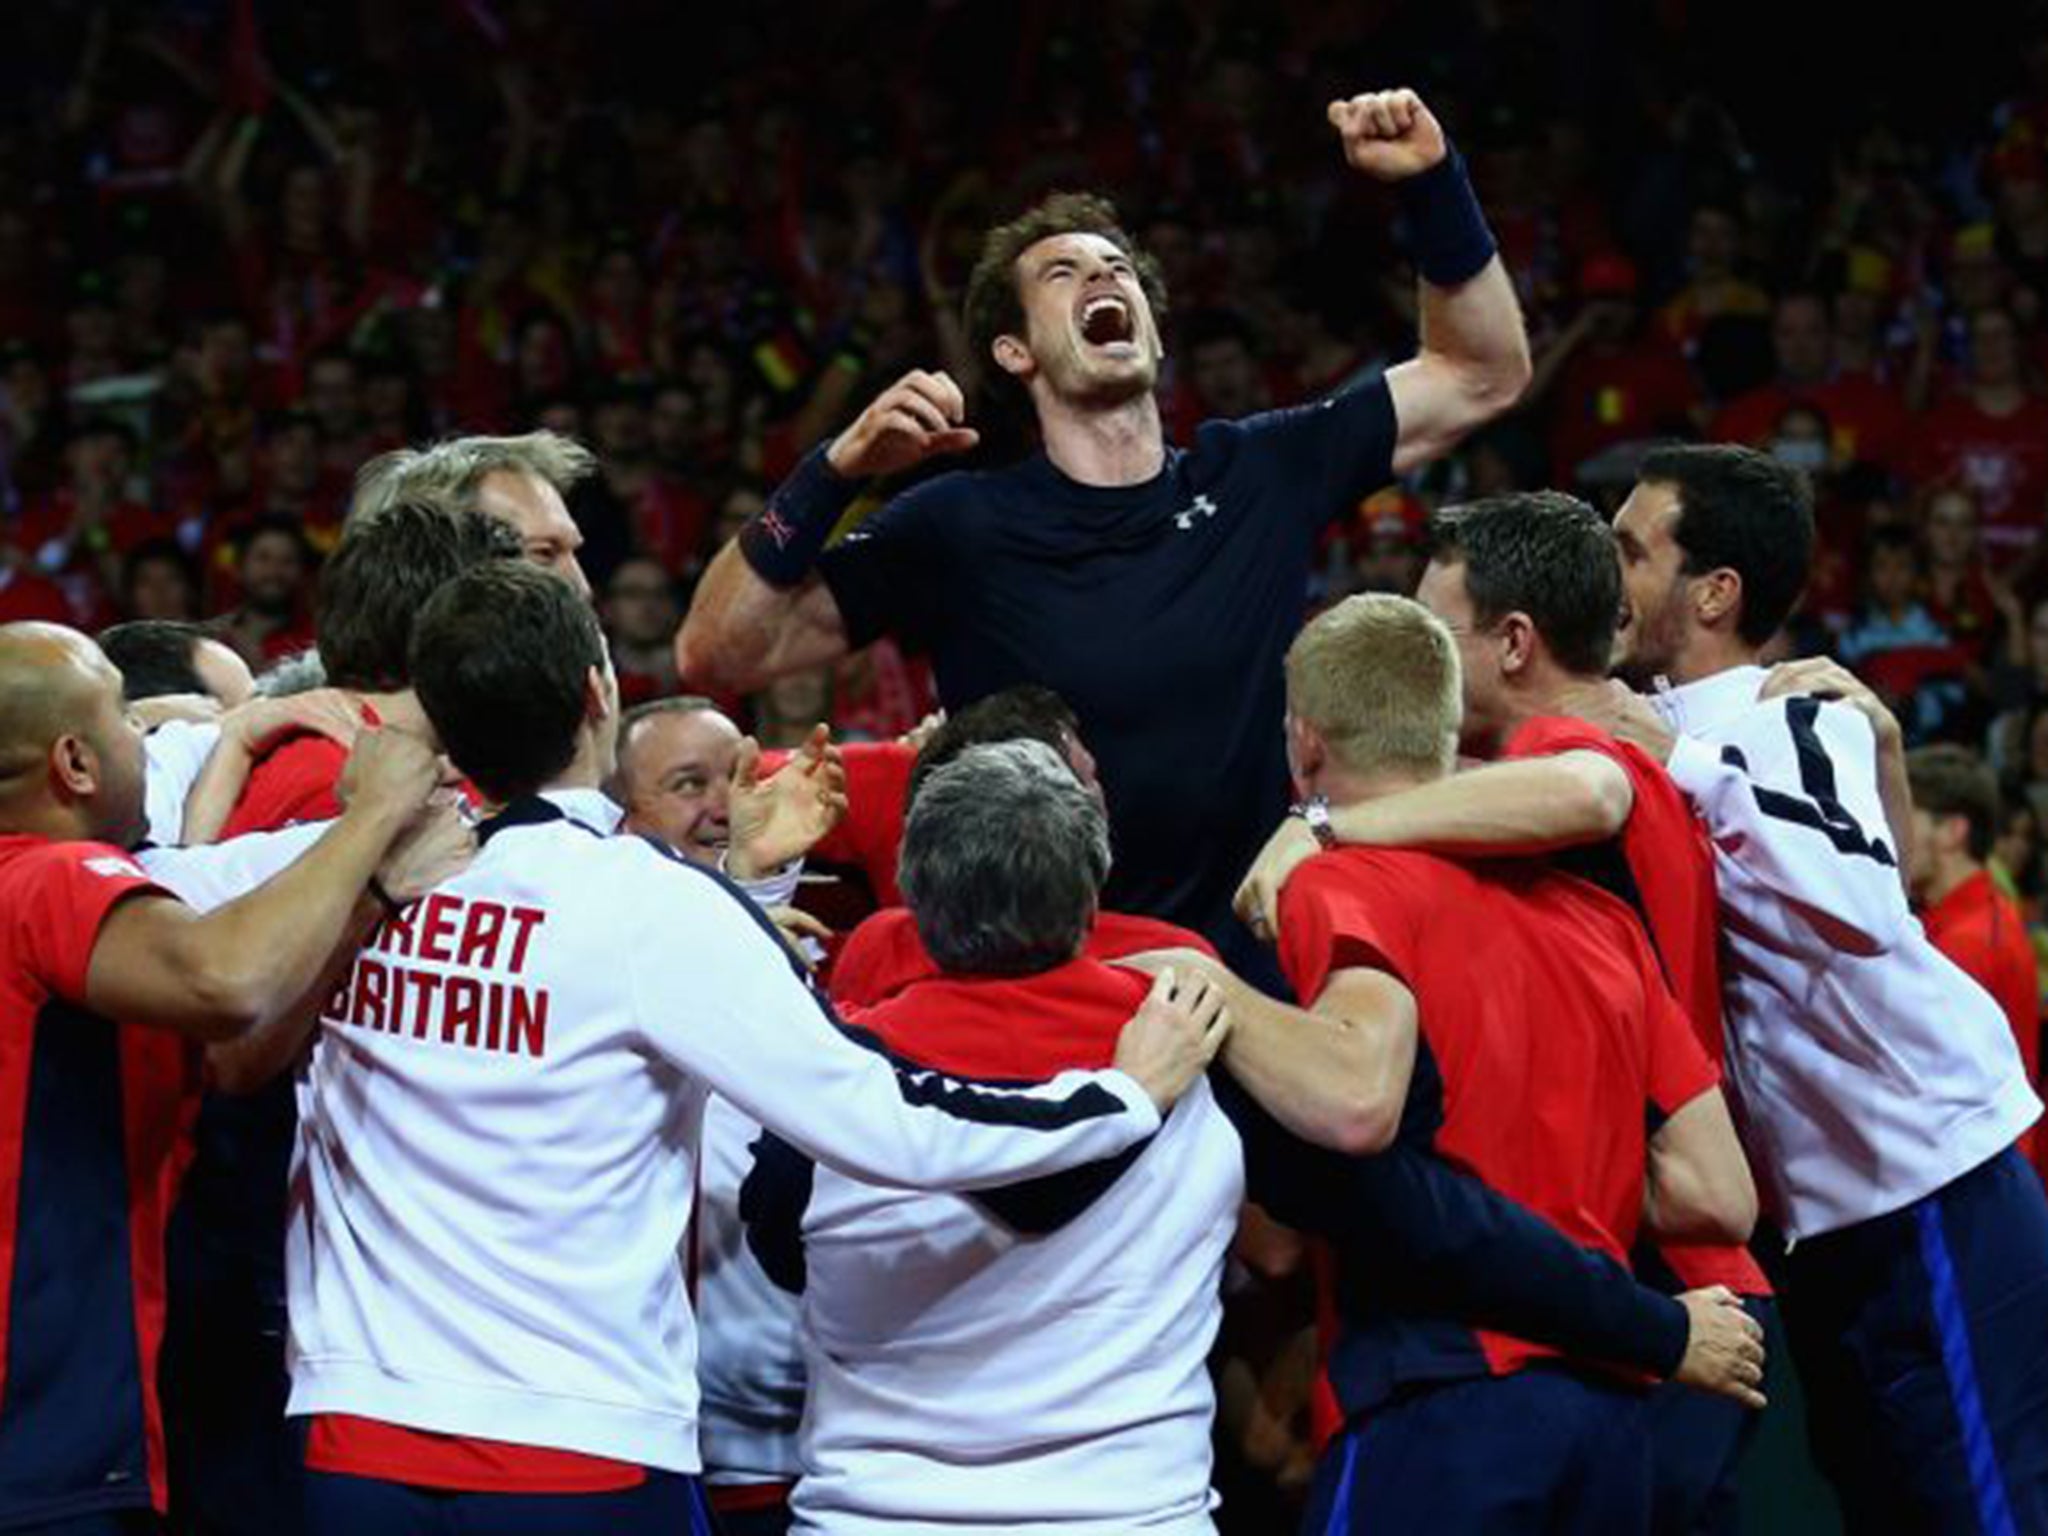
(1880, 1090)
(226, 1369)
(1530, 588)
(158, 657)
(1155, 587)
(1967, 915)
(488, 1319)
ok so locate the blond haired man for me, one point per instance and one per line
(1544, 1055)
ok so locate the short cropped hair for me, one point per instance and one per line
(500, 657)
(1027, 712)
(155, 656)
(994, 305)
(1954, 781)
(1545, 554)
(374, 584)
(1378, 676)
(1741, 510)
(655, 709)
(1004, 855)
(448, 474)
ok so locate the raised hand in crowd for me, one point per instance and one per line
(779, 819)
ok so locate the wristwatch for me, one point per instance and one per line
(1315, 811)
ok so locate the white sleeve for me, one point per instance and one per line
(214, 874)
(721, 998)
(174, 754)
(1793, 803)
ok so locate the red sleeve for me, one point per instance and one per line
(293, 783)
(60, 896)
(1680, 1070)
(1356, 908)
(870, 836)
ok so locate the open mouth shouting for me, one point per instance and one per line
(1107, 324)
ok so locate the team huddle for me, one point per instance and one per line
(540, 1165)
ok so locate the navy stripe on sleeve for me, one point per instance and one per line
(985, 1101)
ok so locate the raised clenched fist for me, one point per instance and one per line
(1389, 135)
(914, 419)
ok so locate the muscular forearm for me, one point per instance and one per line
(1477, 327)
(1529, 806)
(262, 953)
(742, 633)
(254, 1058)
(1336, 1079)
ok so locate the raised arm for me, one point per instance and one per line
(1472, 360)
(245, 965)
(761, 609)
(1530, 805)
(773, 1046)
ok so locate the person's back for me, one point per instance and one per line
(1546, 1030)
(973, 1367)
(484, 1115)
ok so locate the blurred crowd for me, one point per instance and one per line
(244, 247)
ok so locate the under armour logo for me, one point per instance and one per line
(776, 526)
(1201, 506)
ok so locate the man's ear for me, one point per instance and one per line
(1012, 356)
(1717, 598)
(74, 767)
(600, 695)
(1306, 752)
(1517, 643)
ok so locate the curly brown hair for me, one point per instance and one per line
(993, 304)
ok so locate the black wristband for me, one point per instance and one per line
(392, 906)
(1447, 233)
(784, 541)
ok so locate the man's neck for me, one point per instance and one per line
(1709, 655)
(1344, 786)
(39, 816)
(1946, 877)
(1121, 444)
(1546, 691)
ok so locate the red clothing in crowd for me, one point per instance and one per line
(1978, 927)
(1866, 420)
(2002, 460)
(1603, 398)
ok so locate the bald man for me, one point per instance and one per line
(106, 981)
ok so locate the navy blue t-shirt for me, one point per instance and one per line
(1160, 612)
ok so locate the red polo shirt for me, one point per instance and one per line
(92, 1123)
(1666, 872)
(1977, 926)
(1549, 1043)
